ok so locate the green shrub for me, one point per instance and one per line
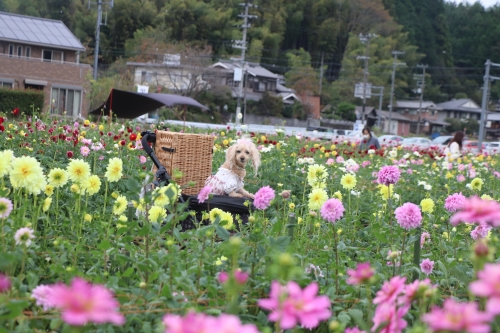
(25, 100)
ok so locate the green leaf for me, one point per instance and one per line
(341, 246)
(357, 315)
(222, 233)
(344, 318)
(105, 245)
(165, 292)
(55, 323)
(14, 308)
(128, 272)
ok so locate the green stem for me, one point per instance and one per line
(336, 260)
(105, 198)
(402, 253)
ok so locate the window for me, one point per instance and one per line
(143, 76)
(66, 100)
(448, 114)
(52, 56)
(19, 51)
(261, 86)
(232, 83)
(11, 50)
(27, 52)
(5, 84)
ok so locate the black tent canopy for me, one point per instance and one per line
(130, 105)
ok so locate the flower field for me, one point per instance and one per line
(341, 240)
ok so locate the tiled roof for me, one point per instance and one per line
(37, 31)
(463, 104)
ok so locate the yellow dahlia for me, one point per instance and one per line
(120, 205)
(92, 185)
(27, 173)
(114, 170)
(427, 205)
(6, 158)
(476, 184)
(348, 181)
(78, 170)
(58, 177)
(317, 198)
(46, 204)
(156, 214)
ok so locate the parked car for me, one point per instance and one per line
(470, 146)
(493, 148)
(441, 142)
(416, 142)
(390, 140)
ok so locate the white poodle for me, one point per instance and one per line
(229, 178)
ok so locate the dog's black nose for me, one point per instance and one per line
(242, 159)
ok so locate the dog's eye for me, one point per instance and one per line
(247, 152)
(238, 151)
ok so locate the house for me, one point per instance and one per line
(172, 73)
(400, 125)
(493, 125)
(429, 116)
(463, 108)
(258, 80)
(43, 54)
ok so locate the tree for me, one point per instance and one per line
(301, 77)
(346, 111)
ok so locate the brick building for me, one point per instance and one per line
(43, 54)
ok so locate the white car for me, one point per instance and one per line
(492, 148)
(416, 142)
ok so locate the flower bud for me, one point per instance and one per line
(334, 325)
(143, 285)
(285, 194)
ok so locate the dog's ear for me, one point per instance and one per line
(255, 158)
(230, 155)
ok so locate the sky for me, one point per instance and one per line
(486, 3)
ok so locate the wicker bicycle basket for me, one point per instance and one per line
(189, 153)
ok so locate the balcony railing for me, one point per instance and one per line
(15, 57)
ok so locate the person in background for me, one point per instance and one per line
(453, 150)
(368, 141)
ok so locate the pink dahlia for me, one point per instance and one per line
(332, 210)
(423, 238)
(487, 286)
(390, 290)
(82, 303)
(239, 276)
(142, 159)
(263, 197)
(388, 318)
(408, 216)
(353, 330)
(389, 174)
(5, 208)
(291, 305)
(40, 295)
(418, 290)
(427, 266)
(454, 202)
(458, 317)
(481, 231)
(4, 283)
(204, 193)
(361, 274)
(192, 322)
(477, 210)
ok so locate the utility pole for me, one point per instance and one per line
(243, 45)
(381, 97)
(422, 87)
(365, 39)
(321, 73)
(395, 53)
(99, 3)
(484, 104)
